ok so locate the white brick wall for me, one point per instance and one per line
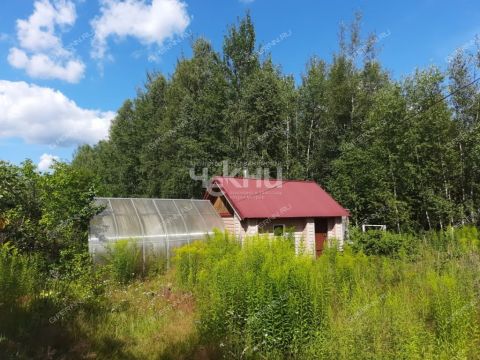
(252, 227)
(238, 230)
(304, 230)
(229, 224)
(309, 236)
(336, 229)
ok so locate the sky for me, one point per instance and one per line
(66, 66)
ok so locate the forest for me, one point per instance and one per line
(401, 152)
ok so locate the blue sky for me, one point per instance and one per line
(66, 66)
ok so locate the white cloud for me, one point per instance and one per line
(46, 116)
(38, 32)
(46, 161)
(151, 23)
(42, 54)
(43, 67)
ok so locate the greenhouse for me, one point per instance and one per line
(157, 225)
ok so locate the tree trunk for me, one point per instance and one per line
(309, 144)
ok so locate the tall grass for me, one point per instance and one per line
(258, 300)
(262, 301)
(126, 262)
(75, 310)
(124, 259)
(18, 275)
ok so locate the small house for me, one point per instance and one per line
(250, 206)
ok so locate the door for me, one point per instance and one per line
(321, 230)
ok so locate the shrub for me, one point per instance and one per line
(45, 213)
(74, 278)
(377, 242)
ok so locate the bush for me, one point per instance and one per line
(45, 213)
(378, 242)
(74, 278)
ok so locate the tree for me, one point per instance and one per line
(45, 212)
(403, 153)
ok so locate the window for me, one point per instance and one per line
(278, 230)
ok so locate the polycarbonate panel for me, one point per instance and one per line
(157, 244)
(126, 218)
(214, 222)
(175, 225)
(151, 221)
(102, 226)
(166, 206)
(184, 205)
(204, 207)
(193, 219)
(157, 225)
(176, 243)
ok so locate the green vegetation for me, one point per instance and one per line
(17, 275)
(83, 312)
(45, 213)
(222, 300)
(387, 295)
(125, 260)
(401, 151)
(262, 301)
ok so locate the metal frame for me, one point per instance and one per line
(167, 248)
(143, 234)
(382, 227)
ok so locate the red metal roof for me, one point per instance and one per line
(270, 198)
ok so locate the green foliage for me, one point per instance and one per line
(47, 212)
(187, 260)
(250, 298)
(19, 275)
(400, 153)
(192, 258)
(263, 301)
(377, 242)
(124, 258)
(259, 300)
(156, 263)
(126, 261)
(74, 278)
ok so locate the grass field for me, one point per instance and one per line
(146, 319)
